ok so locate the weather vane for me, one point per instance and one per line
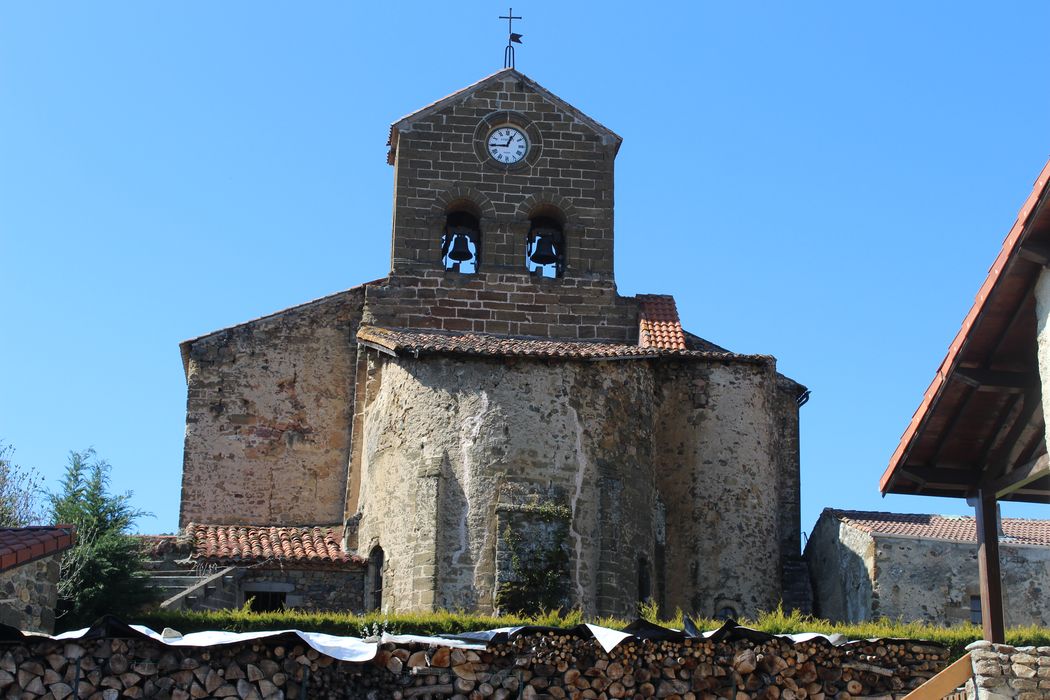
(508, 53)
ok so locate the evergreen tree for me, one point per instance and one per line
(101, 573)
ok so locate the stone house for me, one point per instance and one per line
(493, 426)
(30, 566)
(268, 568)
(865, 565)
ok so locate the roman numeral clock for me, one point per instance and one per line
(508, 145)
(507, 141)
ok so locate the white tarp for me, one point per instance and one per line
(341, 648)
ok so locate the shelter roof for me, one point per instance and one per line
(19, 545)
(405, 122)
(234, 544)
(980, 421)
(417, 342)
(942, 527)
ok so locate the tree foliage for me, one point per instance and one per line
(19, 492)
(101, 573)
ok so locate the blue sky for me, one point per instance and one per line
(826, 182)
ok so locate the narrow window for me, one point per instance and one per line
(645, 581)
(375, 577)
(975, 610)
(545, 247)
(461, 242)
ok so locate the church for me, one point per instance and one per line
(492, 427)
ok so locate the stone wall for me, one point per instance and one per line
(548, 666)
(507, 302)
(842, 566)
(30, 593)
(934, 581)
(268, 414)
(1003, 672)
(570, 166)
(717, 472)
(308, 589)
(661, 472)
(859, 577)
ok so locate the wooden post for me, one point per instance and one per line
(988, 565)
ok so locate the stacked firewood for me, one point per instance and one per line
(547, 666)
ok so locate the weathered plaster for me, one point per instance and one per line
(842, 564)
(673, 467)
(268, 417)
(858, 576)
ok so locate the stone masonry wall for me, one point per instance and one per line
(664, 471)
(1003, 672)
(860, 577)
(547, 666)
(454, 451)
(933, 581)
(268, 417)
(30, 593)
(513, 303)
(841, 563)
(309, 589)
(717, 473)
(569, 171)
(570, 166)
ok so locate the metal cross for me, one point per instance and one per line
(512, 38)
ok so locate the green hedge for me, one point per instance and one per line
(346, 624)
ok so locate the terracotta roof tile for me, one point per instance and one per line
(249, 543)
(658, 324)
(417, 342)
(943, 527)
(19, 545)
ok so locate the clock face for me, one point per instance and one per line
(507, 145)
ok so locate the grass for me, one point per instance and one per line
(449, 622)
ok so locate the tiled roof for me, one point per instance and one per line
(658, 324)
(416, 342)
(19, 545)
(247, 543)
(943, 527)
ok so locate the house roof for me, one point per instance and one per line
(980, 419)
(418, 342)
(942, 527)
(19, 545)
(234, 544)
(405, 122)
(658, 323)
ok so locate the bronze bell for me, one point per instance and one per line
(460, 250)
(543, 251)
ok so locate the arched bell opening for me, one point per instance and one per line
(545, 245)
(461, 242)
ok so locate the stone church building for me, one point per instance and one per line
(492, 426)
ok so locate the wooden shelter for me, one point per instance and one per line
(980, 431)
